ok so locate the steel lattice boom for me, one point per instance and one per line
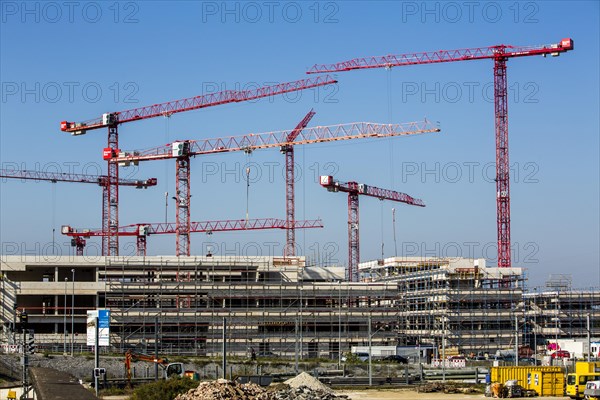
(257, 141)
(142, 230)
(110, 244)
(441, 56)
(354, 190)
(183, 150)
(193, 103)
(500, 54)
(100, 180)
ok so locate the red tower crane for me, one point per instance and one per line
(354, 190)
(110, 220)
(182, 151)
(100, 180)
(290, 202)
(142, 231)
(500, 54)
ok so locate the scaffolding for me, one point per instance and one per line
(282, 306)
(470, 307)
(268, 306)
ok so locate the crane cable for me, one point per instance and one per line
(382, 240)
(166, 186)
(248, 153)
(390, 109)
(53, 217)
(394, 227)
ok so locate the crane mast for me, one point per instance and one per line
(290, 202)
(354, 190)
(500, 54)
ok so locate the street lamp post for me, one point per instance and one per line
(300, 327)
(443, 349)
(72, 311)
(370, 337)
(339, 324)
(65, 319)
(370, 350)
(535, 325)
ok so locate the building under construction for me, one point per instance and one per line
(280, 306)
(470, 307)
(272, 305)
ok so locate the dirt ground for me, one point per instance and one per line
(407, 394)
(396, 394)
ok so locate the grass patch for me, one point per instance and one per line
(163, 390)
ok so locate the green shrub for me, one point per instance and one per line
(164, 390)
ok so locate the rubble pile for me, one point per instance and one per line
(223, 389)
(448, 388)
(432, 387)
(302, 387)
(301, 393)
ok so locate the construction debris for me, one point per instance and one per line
(222, 389)
(309, 389)
(446, 388)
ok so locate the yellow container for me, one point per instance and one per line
(546, 381)
(584, 367)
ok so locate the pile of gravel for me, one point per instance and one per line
(310, 389)
(309, 381)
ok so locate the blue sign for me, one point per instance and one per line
(103, 319)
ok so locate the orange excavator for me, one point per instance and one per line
(169, 369)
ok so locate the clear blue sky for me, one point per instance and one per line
(60, 63)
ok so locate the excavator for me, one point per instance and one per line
(169, 369)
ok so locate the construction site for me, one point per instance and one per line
(287, 305)
(282, 305)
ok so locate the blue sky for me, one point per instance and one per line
(59, 63)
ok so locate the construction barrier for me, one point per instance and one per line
(458, 363)
(546, 381)
(11, 348)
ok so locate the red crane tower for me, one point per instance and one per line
(101, 180)
(354, 190)
(182, 151)
(110, 220)
(500, 54)
(290, 202)
(143, 230)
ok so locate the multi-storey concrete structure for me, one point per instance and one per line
(461, 301)
(280, 305)
(271, 304)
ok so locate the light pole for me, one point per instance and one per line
(370, 337)
(444, 349)
(72, 311)
(556, 322)
(370, 350)
(339, 324)
(65, 319)
(535, 325)
(300, 327)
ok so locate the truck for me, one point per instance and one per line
(376, 351)
(169, 369)
(592, 390)
(577, 381)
